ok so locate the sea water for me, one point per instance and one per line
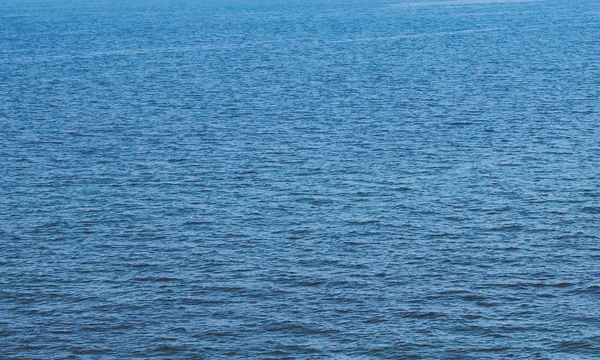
(315, 179)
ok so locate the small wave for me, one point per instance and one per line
(77, 133)
(143, 265)
(472, 316)
(558, 285)
(177, 160)
(402, 189)
(421, 315)
(546, 296)
(364, 222)
(196, 222)
(592, 289)
(514, 227)
(574, 344)
(156, 279)
(591, 210)
(492, 349)
(167, 349)
(486, 304)
(510, 248)
(310, 283)
(460, 123)
(194, 302)
(473, 297)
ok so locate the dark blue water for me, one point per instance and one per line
(300, 179)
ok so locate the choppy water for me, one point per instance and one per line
(300, 179)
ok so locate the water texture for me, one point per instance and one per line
(299, 179)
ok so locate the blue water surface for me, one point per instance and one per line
(377, 179)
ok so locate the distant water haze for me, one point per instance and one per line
(299, 179)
